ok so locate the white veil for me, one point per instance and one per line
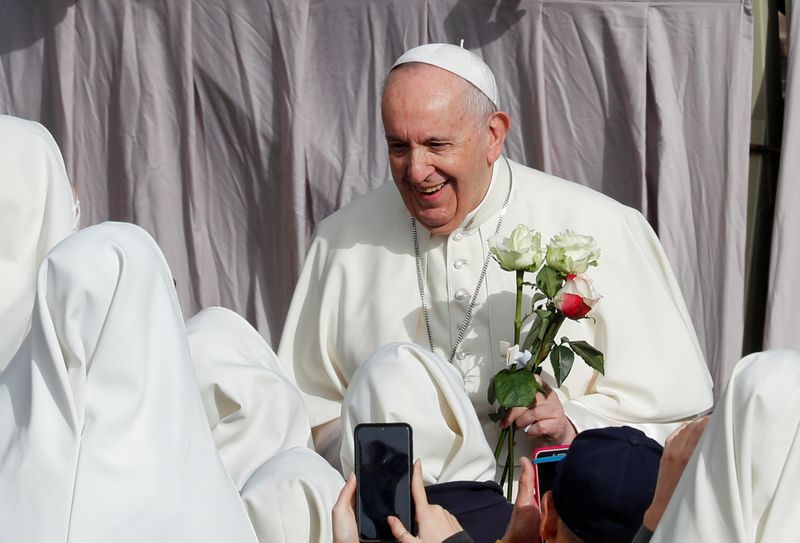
(35, 214)
(260, 426)
(102, 431)
(741, 483)
(403, 382)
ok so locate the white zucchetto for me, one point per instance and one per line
(461, 62)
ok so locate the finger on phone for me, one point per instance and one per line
(418, 487)
(399, 530)
(526, 486)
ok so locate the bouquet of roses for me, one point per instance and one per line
(561, 291)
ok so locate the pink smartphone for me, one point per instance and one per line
(545, 460)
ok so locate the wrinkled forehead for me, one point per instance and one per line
(415, 81)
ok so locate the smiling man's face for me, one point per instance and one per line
(440, 154)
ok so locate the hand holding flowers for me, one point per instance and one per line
(561, 291)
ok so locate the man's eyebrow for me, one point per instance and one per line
(427, 141)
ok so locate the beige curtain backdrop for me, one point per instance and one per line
(229, 128)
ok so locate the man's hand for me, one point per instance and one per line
(544, 420)
(524, 524)
(345, 529)
(434, 522)
(678, 449)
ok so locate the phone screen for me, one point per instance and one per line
(545, 461)
(383, 458)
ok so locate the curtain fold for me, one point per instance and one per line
(229, 129)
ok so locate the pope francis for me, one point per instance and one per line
(410, 263)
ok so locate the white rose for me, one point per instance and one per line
(569, 252)
(522, 250)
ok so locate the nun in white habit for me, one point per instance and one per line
(260, 426)
(103, 436)
(458, 465)
(740, 485)
(36, 212)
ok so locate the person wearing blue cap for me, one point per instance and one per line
(600, 494)
(602, 488)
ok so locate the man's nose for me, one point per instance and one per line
(419, 166)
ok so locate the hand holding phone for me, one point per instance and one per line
(434, 522)
(383, 454)
(523, 527)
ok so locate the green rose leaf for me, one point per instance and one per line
(561, 357)
(590, 355)
(534, 338)
(490, 392)
(549, 280)
(515, 388)
(499, 414)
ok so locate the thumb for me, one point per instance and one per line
(399, 530)
(525, 496)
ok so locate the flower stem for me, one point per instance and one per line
(518, 315)
(500, 441)
(510, 465)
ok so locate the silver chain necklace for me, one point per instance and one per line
(462, 327)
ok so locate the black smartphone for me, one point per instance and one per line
(545, 460)
(383, 460)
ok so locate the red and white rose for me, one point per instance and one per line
(577, 297)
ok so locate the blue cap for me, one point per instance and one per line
(606, 482)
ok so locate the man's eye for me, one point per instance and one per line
(437, 145)
(397, 148)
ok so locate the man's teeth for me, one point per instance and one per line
(430, 190)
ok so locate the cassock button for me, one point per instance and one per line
(457, 236)
(460, 263)
(461, 294)
(462, 355)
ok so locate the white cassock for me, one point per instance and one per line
(358, 291)
(428, 394)
(261, 429)
(103, 436)
(740, 485)
(36, 207)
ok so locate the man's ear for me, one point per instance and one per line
(499, 123)
(548, 529)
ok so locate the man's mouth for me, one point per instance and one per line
(431, 190)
